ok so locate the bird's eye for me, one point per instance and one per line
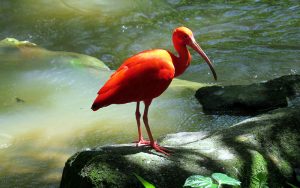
(185, 36)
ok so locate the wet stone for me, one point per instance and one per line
(249, 99)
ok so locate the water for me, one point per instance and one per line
(258, 38)
(248, 41)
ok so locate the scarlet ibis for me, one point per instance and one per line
(147, 75)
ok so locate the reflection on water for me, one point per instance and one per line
(45, 96)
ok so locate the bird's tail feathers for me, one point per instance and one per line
(98, 103)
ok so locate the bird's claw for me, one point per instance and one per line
(154, 145)
(160, 149)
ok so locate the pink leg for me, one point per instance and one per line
(141, 140)
(153, 143)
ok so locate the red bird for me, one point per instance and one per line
(146, 76)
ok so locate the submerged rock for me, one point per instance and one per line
(15, 43)
(249, 99)
(265, 146)
(13, 51)
(29, 74)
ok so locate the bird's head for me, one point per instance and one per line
(184, 36)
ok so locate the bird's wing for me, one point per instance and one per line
(142, 75)
(114, 80)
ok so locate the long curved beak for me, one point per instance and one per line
(199, 50)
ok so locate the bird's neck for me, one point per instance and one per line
(183, 60)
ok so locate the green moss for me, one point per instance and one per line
(289, 142)
(102, 174)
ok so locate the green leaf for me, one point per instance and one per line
(261, 176)
(260, 179)
(214, 186)
(144, 182)
(199, 182)
(224, 179)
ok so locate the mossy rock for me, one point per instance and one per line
(264, 147)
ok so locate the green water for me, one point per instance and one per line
(257, 39)
(248, 41)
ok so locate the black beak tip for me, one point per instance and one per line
(93, 107)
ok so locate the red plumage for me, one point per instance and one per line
(141, 77)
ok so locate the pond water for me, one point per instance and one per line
(45, 116)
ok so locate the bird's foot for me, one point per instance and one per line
(154, 145)
(160, 149)
(142, 142)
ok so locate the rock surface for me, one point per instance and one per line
(249, 99)
(266, 145)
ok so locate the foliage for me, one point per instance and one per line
(292, 186)
(144, 182)
(259, 174)
(224, 179)
(198, 181)
(260, 179)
